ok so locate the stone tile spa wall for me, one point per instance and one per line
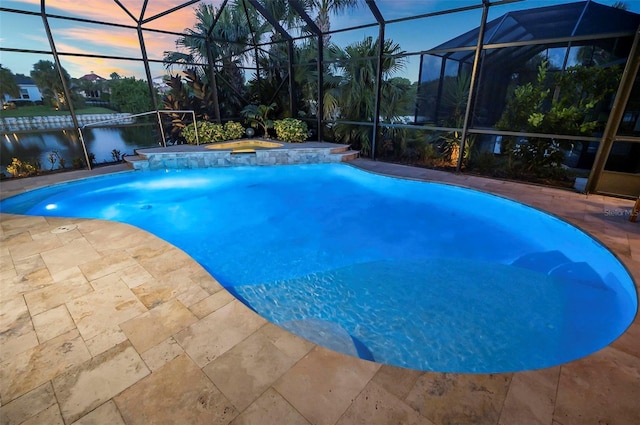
(170, 160)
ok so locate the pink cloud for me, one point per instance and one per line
(80, 38)
(112, 41)
(103, 10)
(78, 66)
(103, 39)
(109, 11)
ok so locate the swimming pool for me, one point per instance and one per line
(408, 273)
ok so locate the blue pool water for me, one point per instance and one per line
(413, 274)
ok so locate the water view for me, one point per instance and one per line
(104, 143)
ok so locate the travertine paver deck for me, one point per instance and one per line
(103, 323)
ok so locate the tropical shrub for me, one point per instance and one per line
(116, 155)
(18, 168)
(77, 163)
(195, 96)
(233, 130)
(258, 116)
(291, 130)
(189, 133)
(212, 132)
(207, 132)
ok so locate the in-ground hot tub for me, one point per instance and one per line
(244, 145)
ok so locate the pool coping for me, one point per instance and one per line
(316, 385)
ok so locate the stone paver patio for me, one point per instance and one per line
(103, 323)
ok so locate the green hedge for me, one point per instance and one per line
(291, 130)
(233, 130)
(213, 132)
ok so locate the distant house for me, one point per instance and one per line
(92, 77)
(28, 91)
(93, 87)
(160, 84)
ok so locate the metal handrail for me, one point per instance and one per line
(164, 142)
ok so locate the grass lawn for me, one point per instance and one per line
(41, 110)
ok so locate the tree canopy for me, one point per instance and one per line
(8, 85)
(47, 78)
(130, 95)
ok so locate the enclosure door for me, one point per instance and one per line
(621, 173)
(616, 170)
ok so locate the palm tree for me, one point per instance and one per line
(258, 117)
(306, 78)
(282, 12)
(325, 8)
(357, 91)
(273, 63)
(269, 82)
(46, 77)
(228, 41)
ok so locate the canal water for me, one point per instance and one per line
(104, 143)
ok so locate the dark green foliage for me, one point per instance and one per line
(195, 96)
(116, 155)
(201, 94)
(8, 84)
(47, 78)
(565, 103)
(228, 41)
(177, 99)
(356, 92)
(130, 95)
(258, 116)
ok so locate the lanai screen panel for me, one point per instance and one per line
(516, 42)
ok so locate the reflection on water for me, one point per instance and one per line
(37, 146)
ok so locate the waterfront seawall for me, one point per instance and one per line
(59, 122)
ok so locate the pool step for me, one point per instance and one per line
(349, 155)
(340, 149)
(330, 335)
(556, 264)
(345, 153)
(136, 162)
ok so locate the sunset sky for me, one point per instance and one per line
(26, 32)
